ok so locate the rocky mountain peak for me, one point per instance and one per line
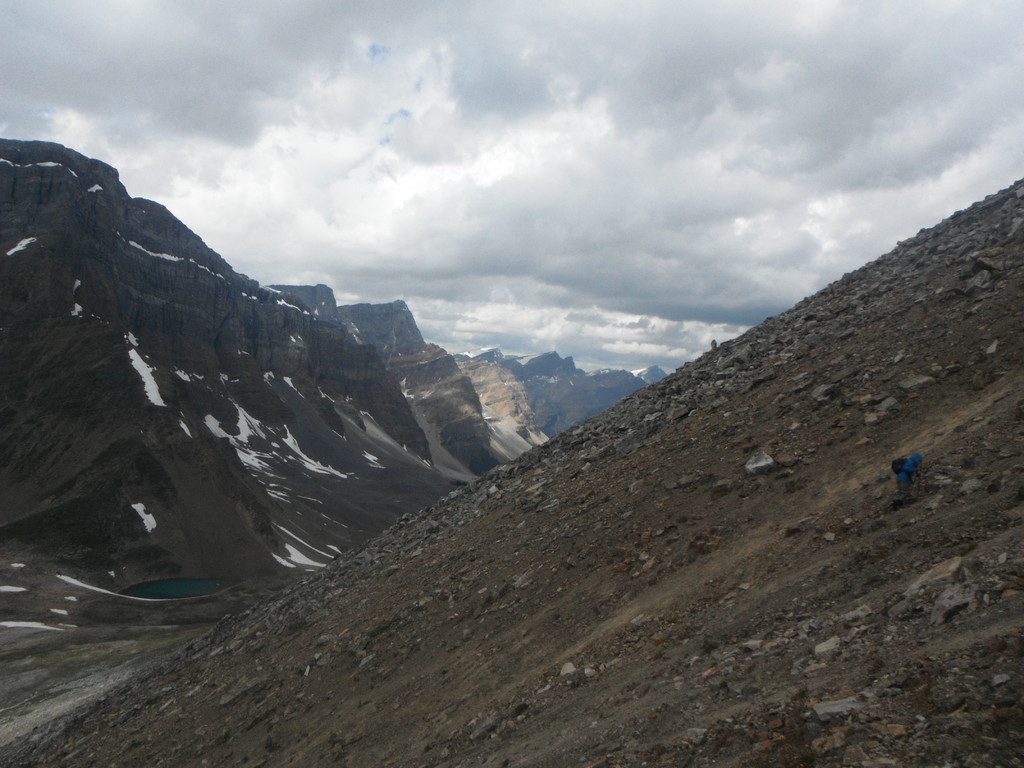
(318, 299)
(391, 326)
(651, 374)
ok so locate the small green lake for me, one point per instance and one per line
(175, 589)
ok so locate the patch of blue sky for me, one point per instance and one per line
(377, 53)
(396, 115)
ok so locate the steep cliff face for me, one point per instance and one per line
(506, 405)
(161, 414)
(391, 328)
(559, 393)
(448, 407)
(431, 379)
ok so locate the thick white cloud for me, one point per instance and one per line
(620, 182)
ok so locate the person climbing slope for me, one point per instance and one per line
(905, 469)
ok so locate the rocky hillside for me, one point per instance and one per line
(710, 573)
(161, 414)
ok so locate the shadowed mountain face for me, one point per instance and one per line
(462, 440)
(161, 414)
(431, 378)
(709, 573)
(454, 395)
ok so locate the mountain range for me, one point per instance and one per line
(710, 572)
(162, 415)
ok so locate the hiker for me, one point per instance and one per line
(905, 470)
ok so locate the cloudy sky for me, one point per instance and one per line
(622, 182)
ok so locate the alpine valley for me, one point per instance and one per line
(710, 572)
(162, 416)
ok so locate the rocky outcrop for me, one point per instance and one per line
(391, 328)
(161, 414)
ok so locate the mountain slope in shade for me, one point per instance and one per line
(477, 410)
(448, 408)
(709, 573)
(163, 415)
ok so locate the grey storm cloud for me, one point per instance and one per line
(620, 182)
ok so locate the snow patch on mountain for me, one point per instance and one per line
(21, 246)
(145, 372)
(300, 559)
(247, 427)
(274, 490)
(81, 584)
(165, 256)
(284, 303)
(372, 460)
(28, 625)
(309, 463)
(306, 544)
(147, 519)
(45, 164)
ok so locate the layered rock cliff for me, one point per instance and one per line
(506, 405)
(560, 394)
(444, 399)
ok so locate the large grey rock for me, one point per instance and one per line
(943, 573)
(952, 600)
(760, 464)
(914, 383)
(829, 710)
